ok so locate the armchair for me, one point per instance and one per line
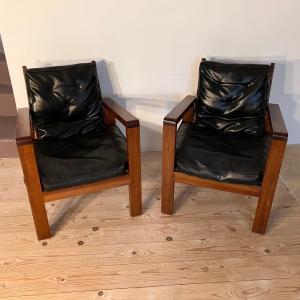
(230, 137)
(68, 141)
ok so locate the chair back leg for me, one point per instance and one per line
(168, 157)
(35, 194)
(269, 183)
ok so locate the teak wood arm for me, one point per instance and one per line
(114, 111)
(24, 132)
(275, 126)
(118, 112)
(276, 121)
(183, 110)
(186, 106)
(24, 139)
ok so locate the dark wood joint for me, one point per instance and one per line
(277, 124)
(24, 131)
(121, 114)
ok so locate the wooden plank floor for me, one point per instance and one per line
(206, 250)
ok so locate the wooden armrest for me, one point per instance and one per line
(23, 127)
(177, 113)
(125, 117)
(278, 128)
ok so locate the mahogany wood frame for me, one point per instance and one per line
(274, 126)
(25, 136)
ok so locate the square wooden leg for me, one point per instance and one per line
(134, 161)
(34, 190)
(168, 155)
(268, 186)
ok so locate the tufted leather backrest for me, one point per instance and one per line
(233, 98)
(64, 100)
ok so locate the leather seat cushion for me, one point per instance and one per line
(81, 159)
(210, 154)
(65, 100)
(233, 97)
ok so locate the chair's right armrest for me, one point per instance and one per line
(178, 112)
(120, 113)
(23, 127)
(278, 128)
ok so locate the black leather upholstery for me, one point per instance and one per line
(208, 153)
(64, 100)
(81, 159)
(233, 97)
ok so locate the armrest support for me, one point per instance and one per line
(23, 127)
(177, 113)
(125, 117)
(278, 128)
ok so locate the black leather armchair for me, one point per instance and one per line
(69, 143)
(230, 137)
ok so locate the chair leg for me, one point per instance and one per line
(32, 181)
(268, 186)
(134, 161)
(168, 155)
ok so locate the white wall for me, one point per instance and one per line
(148, 51)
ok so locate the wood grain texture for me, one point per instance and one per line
(243, 189)
(279, 289)
(134, 168)
(212, 254)
(168, 160)
(94, 187)
(269, 184)
(35, 194)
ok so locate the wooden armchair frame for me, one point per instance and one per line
(274, 126)
(25, 136)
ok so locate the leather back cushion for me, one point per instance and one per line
(233, 97)
(65, 100)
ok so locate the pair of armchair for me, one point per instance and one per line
(229, 138)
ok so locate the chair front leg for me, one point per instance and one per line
(269, 183)
(168, 157)
(32, 181)
(134, 166)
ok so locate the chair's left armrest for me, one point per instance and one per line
(177, 113)
(278, 128)
(23, 127)
(121, 114)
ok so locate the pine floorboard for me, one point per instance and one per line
(206, 250)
